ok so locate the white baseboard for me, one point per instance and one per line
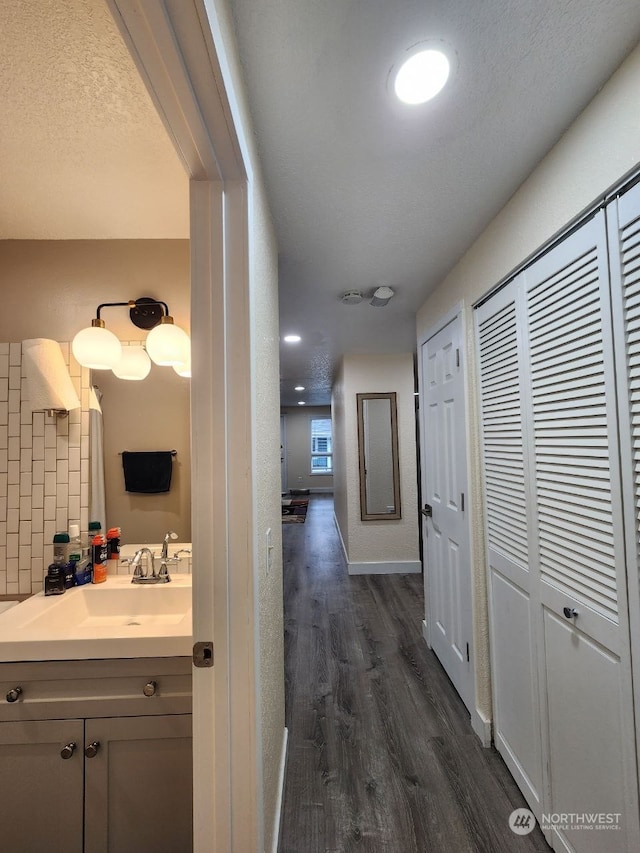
(482, 727)
(399, 567)
(281, 777)
(425, 633)
(344, 550)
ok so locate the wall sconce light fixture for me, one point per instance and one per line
(167, 344)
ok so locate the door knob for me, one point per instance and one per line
(427, 511)
(92, 749)
(14, 694)
(570, 612)
(68, 750)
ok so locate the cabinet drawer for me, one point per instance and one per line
(62, 689)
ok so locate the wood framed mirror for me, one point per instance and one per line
(378, 457)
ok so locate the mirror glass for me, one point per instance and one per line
(378, 457)
(149, 415)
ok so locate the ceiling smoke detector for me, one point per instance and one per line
(381, 296)
(352, 297)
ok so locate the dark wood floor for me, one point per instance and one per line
(382, 758)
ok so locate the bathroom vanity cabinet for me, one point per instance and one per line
(96, 756)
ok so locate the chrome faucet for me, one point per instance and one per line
(141, 575)
(170, 534)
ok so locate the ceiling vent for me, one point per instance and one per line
(352, 297)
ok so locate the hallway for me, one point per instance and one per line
(382, 758)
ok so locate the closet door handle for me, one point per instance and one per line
(570, 612)
(427, 511)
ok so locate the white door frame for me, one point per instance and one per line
(480, 724)
(178, 48)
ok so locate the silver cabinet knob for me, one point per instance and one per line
(68, 750)
(91, 750)
(150, 688)
(14, 694)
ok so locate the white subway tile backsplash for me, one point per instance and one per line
(44, 464)
(74, 483)
(26, 435)
(13, 472)
(25, 483)
(37, 496)
(26, 460)
(13, 396)
(12, 545)
(49, 508)
(37, 449)
(12, 569)
(37, 520)
(75, 509)
(38, 471)
(13, 448)
(38, 424)
(13, 521)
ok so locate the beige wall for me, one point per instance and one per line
(377, 543)
(65, 281)
(298, 448)
(601, 146)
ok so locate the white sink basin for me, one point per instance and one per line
(113, 619)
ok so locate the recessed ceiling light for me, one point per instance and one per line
(301, 403)
(292, 339)
(299, 388)
(422, 76)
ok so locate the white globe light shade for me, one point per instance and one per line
(168, 345)
(96, 347)
(184, 369)
(422, 76)
(134, 364)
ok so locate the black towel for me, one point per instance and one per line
(147, 472)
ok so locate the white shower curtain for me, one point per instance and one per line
(96, 460)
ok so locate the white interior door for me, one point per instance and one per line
(444, 477)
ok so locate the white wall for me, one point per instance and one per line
(375, 546)
(298, 448)
(601, 146)
(265, 466)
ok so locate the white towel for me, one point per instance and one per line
(47, 381)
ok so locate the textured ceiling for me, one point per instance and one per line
(365, 191)
(83, 152)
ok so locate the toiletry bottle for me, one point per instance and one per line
(61, 548)
(113, 543)
(54, 580)
(61, 558)
(99, 558)
(75, 542)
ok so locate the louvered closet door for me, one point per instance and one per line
(623, 221)
(513, 581)
(578, 541)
